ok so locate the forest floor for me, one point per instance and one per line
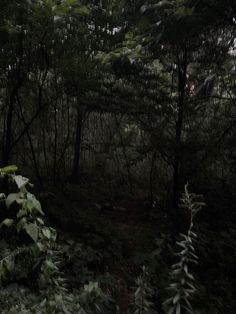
(122, 232)
(119, 237)
(131, 222)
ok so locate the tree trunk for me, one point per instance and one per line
(55, 175)
(8, 132)
(182, 77)
(36, 167)
(153, 159)
(77, 146)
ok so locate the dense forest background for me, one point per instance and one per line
(111, 108)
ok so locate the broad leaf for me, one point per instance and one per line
(21, 181)
(32, 231)
(2, 196)
(7, 222)
(11, 198)
(21, 224)
(46, 232)
(11, 168)
(33, 203)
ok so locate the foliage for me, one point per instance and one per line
(68, 276)
(142, 293)
(182, 281)
(28, 222)
(126, 100)
(216, 253)
(41, 258)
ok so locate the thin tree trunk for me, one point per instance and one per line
(8, 134)
(61, 160)
(45, 150)
(77, 146)
(55, 143)
(182, 77)
(26, 127)
(129, 176)
(16, 79)
(153, 159)
(37, 172)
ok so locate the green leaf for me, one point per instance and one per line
(71, 6)
(21, 181)
(21, 224)
(176, 298)
(38, 207)
(9, 264)
(32, 231)
(41, 247)
(49, 267)
(11, 198)
(33, 203)
(7, 222)
(11, 168)
(21, 212)
(46, 232)
(53, 234)
(40, 221)
(178, 309)
(83, 10)
(2, 196)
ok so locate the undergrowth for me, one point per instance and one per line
(43, 273)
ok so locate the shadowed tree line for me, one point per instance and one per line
(140, 94)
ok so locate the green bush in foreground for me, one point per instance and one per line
(31, 259)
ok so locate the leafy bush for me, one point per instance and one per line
(31, 256)
(33, 240)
